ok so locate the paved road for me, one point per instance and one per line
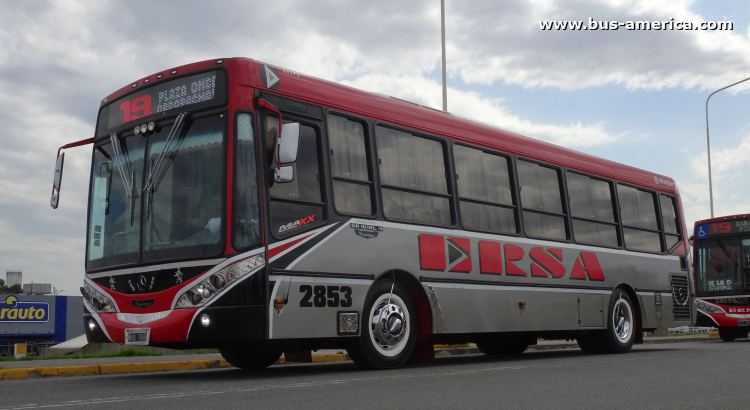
(684, 375)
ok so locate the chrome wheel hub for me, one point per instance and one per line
(622, 319)
(389, 327)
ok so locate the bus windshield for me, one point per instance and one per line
(723, 266)
(181, 216)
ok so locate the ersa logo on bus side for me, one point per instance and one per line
(453, 254)
(15, 311)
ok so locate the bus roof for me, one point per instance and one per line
(416, 117)
(723, 218)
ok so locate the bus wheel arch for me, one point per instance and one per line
(418, 296)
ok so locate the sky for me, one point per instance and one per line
(635, 97)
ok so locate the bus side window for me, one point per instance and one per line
(640, 227)
(484, 190)
(298, 204)
(592, 209)
(412, 177)
(671, 222)
(352, 185)
(541, 198)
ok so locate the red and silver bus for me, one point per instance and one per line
(722, 274)
(240, 205)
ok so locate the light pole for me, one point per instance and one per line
(708, 145)
(442, 36)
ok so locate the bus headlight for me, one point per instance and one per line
(709, 308)
(99, 302)
(208, 288)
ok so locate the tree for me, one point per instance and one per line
(3, 288)
(15, 289)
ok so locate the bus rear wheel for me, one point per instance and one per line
(389, 328)
(619, 335)
(252, 357)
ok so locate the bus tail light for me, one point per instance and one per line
(208, 288)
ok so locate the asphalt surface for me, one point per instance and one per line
(710, 374)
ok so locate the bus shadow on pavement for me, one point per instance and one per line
(351, 370)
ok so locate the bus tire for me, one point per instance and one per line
(589, 343)
(389, 328)
(621, 326)
(727, 334)
(252, 357)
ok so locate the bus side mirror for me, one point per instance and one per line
(288, 143)
(284, 174)
(55, 199)
(691, 239)
(286, 153)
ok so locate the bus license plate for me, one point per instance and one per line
(137, 336)
(743, 323)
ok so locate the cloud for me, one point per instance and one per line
(506, 44)
(729, 170)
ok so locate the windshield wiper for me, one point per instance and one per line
(724, 248)
(120, 168)
(154, 168)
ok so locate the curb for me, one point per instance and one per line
(103, 369)
(106, 369)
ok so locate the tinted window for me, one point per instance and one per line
(637, 208)
(541, 200)
(482, 176)
(306, 183)
(590, 198)
(412, 172)
(592, 210)
(411, 162)
(483, 184)
(246, 226)
(540, 187)
(297, 205)
(669, 219)
(638, 211)
(348, 153)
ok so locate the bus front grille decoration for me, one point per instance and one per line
(680, 297)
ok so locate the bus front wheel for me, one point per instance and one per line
(389, 328)
(727, 334)
(252, 357)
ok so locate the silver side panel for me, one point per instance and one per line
(490, 301)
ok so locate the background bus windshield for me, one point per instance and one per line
(182, 217)
(723, 266)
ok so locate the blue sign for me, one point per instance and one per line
(15, 311)
(701, 231)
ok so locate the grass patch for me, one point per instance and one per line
(686, 334)
(127, 352)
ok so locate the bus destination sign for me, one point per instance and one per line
(722, 228)
(204, 89)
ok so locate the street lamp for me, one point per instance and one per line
(442, 43)
(708, 146)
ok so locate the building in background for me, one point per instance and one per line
(13, 277)
(39, 321)
(37, 289)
